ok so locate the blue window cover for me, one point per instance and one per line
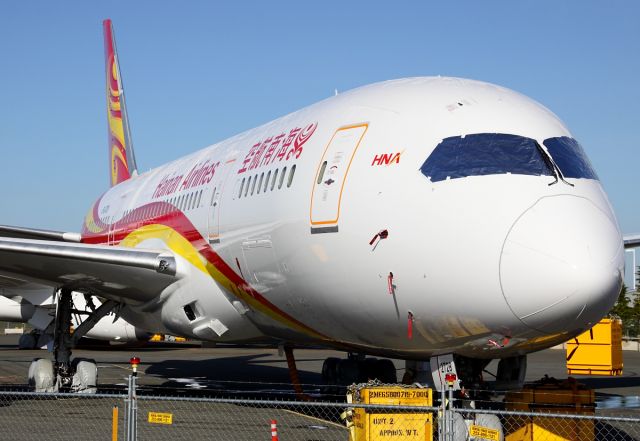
(570, 158)
(485, 154)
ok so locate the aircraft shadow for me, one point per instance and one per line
(229, 375)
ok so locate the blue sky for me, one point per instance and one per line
(198, 72)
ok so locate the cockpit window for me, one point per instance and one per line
(485, 154)
(570, 158)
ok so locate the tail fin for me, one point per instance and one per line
(121, 158)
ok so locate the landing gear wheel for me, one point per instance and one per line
(386, 371)
(41, 376)
(369, 369)
(330, 370)
(460, 429)
(85, 377)
(348, 372)
(28, 341)
(492, 422)
(330, 377)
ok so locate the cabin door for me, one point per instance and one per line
(331, 176)
(217, 184)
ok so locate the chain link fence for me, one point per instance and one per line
(65, 416)
(47, 416)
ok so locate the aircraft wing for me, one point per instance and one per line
(33, 233)
(632, 241)
(122, 274)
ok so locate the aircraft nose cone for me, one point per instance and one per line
(561, 264)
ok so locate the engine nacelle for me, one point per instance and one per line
(12, 311)
(115, 329)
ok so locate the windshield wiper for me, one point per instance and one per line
(553, 167)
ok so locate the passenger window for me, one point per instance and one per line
(321, 172)
(266, 181)
(200, 199)
(291, 173)
(213, 196)
(253, 185)
(241, 186)
(246, 189)
(284, 173)
(260, 184)
(275, 176)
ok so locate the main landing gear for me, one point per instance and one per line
(338, 373)
(64, 374)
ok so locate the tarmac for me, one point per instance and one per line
(261, 372)
(186, 372)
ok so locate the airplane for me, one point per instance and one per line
(428, 218)
(632, 241)
(18, 309)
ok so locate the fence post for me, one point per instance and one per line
(132, 402)
(442, 423)
(450, 379)
(450, 413)
(114, 424)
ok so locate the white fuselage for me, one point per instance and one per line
(488, 265)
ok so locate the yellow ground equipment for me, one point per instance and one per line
(374, 425)
(597, 351)
(551, 396)
(168, 338)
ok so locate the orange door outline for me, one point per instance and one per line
(344, 179)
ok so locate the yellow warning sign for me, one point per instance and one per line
(160, 418)
(484, 433)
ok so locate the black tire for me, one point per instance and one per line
(348, 372)
(330, 370)
(369, 370)
(27, 341)
(386, 371)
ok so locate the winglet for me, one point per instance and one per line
(121, 158)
